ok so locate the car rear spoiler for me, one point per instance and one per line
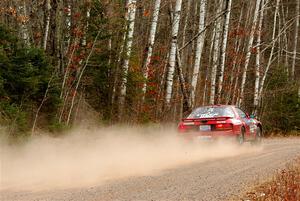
(223, 118)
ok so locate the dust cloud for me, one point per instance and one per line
(89, 157)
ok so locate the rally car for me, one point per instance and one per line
(221, 121)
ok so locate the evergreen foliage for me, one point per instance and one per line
(281, 111)
(24, 77)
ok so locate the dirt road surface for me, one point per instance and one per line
(213, 179)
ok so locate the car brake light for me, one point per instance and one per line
(223, 126)
(182, 127)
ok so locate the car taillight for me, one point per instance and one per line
(223, 126)
(182, 127)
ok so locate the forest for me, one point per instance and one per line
(146, 61)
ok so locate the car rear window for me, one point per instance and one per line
(210, 112)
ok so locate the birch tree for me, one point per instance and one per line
(150, 44)
(47, 22)
(258, 58)
(114, 88)
(131, 6)
(186, 20)
(86, 28)
(185, 54)
(56, 34)
(237, 46)
(249, 47)
(270, 60)
(207, 72)
(241, 49)
(173, 50)
(24, 18)
(285, 42)
(223, 49)
(295, 39)
(198, 53)
(216, 54)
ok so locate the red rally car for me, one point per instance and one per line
(217, 121)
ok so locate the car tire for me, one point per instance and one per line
(258, 136)
(241, 137)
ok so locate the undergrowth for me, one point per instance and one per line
(285, 186)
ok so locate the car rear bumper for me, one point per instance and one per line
(207, 136)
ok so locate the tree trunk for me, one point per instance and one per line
(237, 46)
(272, 51)
(295, 39)
(47, 22)
(216, 54)
(131, 21)
(150, 44)
(79, 79)
(223, 50)
(249, 48)
(182, 82)
(238, 61)
(68, 18)
(285, 37)
(57, 26)
(198, 54)
(185, 23)
(187, 53)
(173, 50)
(207, 72)
(24, 18)
(86, 28)
(258, 58)
(117, 69)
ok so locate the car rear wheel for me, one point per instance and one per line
(258, 136)
(241, 137)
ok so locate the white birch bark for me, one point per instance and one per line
(258, 58)
(88, 15)
(280, 45)
(131, 21)
(207, 72)
(151, 41)
(286, 44)
(114, 90)
(237, 46)
(198, 54)
(216, 53)
(223, 50)
(249, 47)
(272, 51)
(68, 23)
(236, 89)
(172, 57)
(47, 23)
(117, 69)
(186, 54)
(24, 32)
(185, 23)
(295, 39)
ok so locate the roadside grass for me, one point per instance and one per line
(284, 186)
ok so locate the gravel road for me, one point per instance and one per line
(215, 179)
